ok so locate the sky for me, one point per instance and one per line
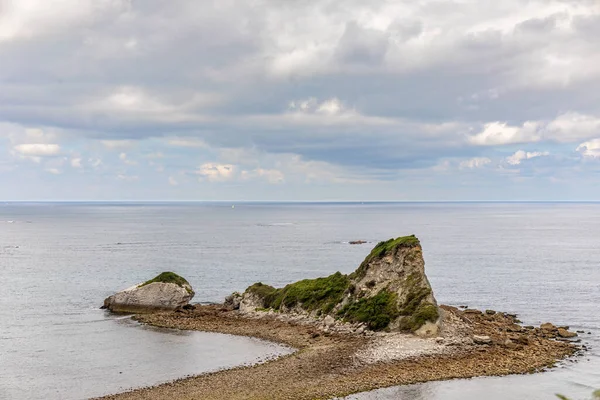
(315, 100)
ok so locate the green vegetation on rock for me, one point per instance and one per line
(261, 290)
(377, 311)
(383, 248)
(424, 313)
(169, 277)
(416, 311)
(311, 294)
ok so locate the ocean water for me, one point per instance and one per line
(59, 261)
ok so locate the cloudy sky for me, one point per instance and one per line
(299, 100)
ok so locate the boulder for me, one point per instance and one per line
(548, 327)
(565, 333)
(233, 301)
(167, 291)
(329, 321)
(389, 290)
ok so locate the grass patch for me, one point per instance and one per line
(169, 277)
(377, 311)
(320, 294)
(261, 290)
(424, 313)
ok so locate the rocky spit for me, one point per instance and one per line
(335, 360)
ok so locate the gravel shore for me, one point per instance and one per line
(328, 365)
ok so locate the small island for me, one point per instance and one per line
(379, 326)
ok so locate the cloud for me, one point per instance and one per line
(521, 155)
(476, 162)
(118, 144)
(76, 163)
(272, 176)
(590, 148)
(127, 178)
(173, 181)
(187, 142)
(332, 106)
(566, 128)
(498, 133)
(215, 172)
(125, 160)
(38, 149)
(312, 95)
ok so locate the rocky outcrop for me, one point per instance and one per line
(167, 291)
(388, 291)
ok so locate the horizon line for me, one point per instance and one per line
(300, 201)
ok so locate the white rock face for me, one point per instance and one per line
(250, 302)
(152, 297)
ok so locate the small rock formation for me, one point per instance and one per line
(551, 331)
(565, 333)
(389, 290)
(233, 301)
(482, 339)
(167, 291)
(357, 242)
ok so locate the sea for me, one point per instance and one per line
(58, 261)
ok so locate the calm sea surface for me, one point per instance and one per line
(59, 261)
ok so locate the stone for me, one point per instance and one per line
(548, 327)
(522, 339)
(167, 291)
(233, 301)
(490, 312)
(250, 302)
(357, 242)
(482, 339)
(565, 333)
(329, 321)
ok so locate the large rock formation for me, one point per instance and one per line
(167, 291)
(389, 290)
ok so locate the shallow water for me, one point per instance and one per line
(59, 261)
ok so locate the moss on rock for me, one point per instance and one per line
(383, 248)
(261, 290)
(423, 314)
(377, 311)
(170, 277)
(311, 294)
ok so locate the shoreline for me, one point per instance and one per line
(335, 364)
